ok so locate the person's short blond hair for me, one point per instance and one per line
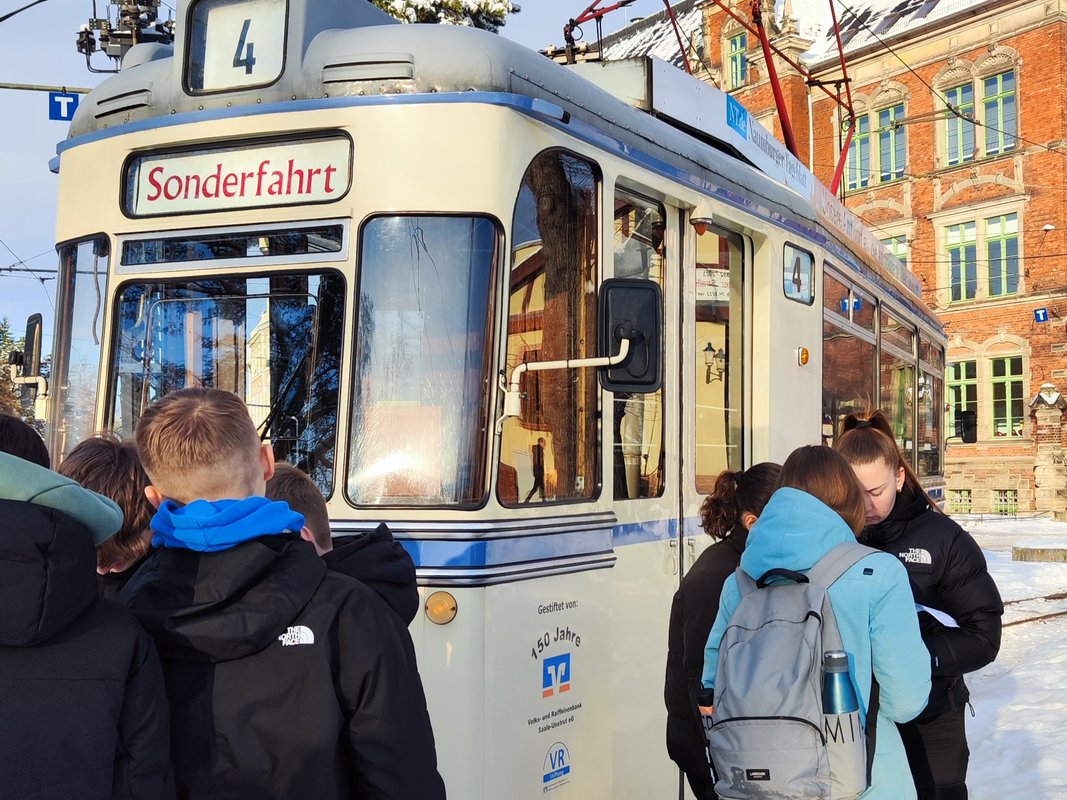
(303, 495)
(197, 443)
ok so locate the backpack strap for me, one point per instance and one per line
(745, 584)
(837, 562)
(872, 726)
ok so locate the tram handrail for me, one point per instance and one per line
(512, 395)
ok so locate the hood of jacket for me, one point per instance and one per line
(383, 564)
(908, 505)
(212, 525)
(224, 605)
(24, 480)
(794, 531)
(47, 572)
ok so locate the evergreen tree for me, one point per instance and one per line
(10, 402)
(486, 14)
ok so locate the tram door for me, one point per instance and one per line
(711, 379)
(641, 476)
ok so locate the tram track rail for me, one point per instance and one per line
(1047, 598)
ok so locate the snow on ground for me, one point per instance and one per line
(1017, 746)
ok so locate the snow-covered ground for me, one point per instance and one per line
(1017, 741)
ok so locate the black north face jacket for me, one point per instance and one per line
(947, 572)
(286, 680)
(83, 713)
(383, 564)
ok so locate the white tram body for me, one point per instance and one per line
(363, 229)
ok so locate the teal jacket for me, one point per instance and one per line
(875, 613)
(31, 483)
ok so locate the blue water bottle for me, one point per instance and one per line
(838, 694)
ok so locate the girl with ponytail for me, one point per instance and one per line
(734, 504)
(947, 572)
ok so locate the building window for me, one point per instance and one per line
(962, 390)
(1002, 250)
(997, 273)
(959, 501)
(998, 107)
(1006, 501)
(859, 155)
(891, 143)
(898, 246)
(996, 114)
(962, 259)
(737, 60)
(1008, 396)
(959, 142)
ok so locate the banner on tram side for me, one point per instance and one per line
(315, 170)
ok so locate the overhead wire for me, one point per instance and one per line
(20, 262)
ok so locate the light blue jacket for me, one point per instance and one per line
(875, 613)
(31, 483)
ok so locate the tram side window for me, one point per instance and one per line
(717, 360)
(897, 381)
(550, 452)
(930, 393)
(273, 341)
(80, 299)
(848, 355)
(422, 388)
(637, 421)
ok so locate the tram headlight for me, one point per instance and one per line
(441, 608)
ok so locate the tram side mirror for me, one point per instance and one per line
(967, 426)
(31, 360)
(27, 363)
(631, 309)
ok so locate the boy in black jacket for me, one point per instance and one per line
(374, 557)
(285, 679)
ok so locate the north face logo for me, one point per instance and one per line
(916, 555)
(297, 634)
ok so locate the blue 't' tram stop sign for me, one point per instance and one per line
(1040, 315)
(62, 105)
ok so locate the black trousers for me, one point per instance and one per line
(937, 753)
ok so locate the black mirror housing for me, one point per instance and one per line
(632, 309)
(967, 426)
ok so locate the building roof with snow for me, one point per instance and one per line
(654, 35)
(862, 24)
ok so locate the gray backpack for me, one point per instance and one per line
(769, 737)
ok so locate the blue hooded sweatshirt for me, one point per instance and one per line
(212, 525)
(875, 613)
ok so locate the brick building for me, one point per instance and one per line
(958, 163)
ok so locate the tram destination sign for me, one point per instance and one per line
(277, 174)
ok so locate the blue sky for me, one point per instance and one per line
(38, 47)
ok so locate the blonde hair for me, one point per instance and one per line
(824, 474)
(200, 443)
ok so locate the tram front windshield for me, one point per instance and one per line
(275, 341)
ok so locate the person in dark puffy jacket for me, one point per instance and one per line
(735, 502)
(948, 573)
(83, 713)
(374, 558)
(286, 679)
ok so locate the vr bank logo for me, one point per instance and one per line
(557, 766)
(556, 675)
(736, 116)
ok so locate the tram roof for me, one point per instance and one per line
(643, 103)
